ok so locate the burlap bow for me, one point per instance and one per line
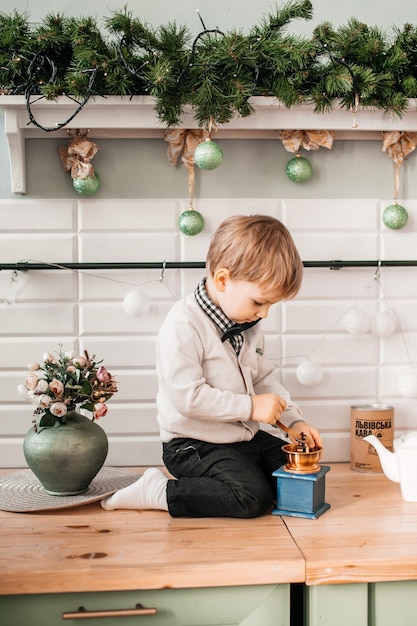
(77, 157)
(185, 141)
(293, 140)
(398, 144)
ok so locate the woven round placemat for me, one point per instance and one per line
(21, 491)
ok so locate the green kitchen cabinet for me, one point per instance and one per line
(362, 604)
(337, 605)
(255, 605)
(393, 603)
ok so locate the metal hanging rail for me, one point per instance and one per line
(24, 266)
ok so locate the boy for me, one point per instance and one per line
(216, 386)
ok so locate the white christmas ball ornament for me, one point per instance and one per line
(383, 323)
(407, 385)
(309, 373)
(136, 303)
(356, 322)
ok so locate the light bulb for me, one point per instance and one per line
(356, 322)
(136, 303)
(383, 323)
(309, 373)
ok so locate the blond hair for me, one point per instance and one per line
(258, 249)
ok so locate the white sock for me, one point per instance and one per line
(148, 492)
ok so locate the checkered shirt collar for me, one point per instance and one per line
(230, 331)
(212, 310)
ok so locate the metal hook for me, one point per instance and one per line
(161, 278)
(378, 270)
(14, 279)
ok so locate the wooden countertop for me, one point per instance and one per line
(89, 549)
(368, 535)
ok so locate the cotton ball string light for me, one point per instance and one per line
(407, 385)
(356, 321)
(136, 303)
(309, 373)
(383, 323)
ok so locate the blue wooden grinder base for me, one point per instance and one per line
(301, 495)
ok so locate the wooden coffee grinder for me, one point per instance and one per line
(301, 481)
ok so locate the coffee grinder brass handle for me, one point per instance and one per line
(293, 436)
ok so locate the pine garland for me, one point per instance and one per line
(215, 73)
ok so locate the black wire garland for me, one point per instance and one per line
(29, 93)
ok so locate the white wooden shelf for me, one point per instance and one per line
(124, 117)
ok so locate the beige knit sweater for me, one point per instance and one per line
(204, 388)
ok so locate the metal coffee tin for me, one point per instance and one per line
(369, 419)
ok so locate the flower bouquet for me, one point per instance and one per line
(64, 381)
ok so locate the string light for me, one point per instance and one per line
(135, 303)
(383, 323)
(309, 372)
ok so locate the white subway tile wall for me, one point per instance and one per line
(84, 309)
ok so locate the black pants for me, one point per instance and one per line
(222, 480)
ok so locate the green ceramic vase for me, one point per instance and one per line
(66, 457)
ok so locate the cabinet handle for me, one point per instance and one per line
(82, 613)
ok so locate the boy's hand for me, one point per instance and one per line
(313, 438)
(267, 408)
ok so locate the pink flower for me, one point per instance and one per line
(58, 409)
(32, 367)
(79, 362)
(100, 410)
(33, 396)
(103, 375)
(43, 401)
(22, 390)
(56, 387)
(31, 381)
(42, 386)
(72, 369)
(49, 358)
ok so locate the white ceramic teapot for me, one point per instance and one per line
(400, 466)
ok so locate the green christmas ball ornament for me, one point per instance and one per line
(395, 216)
(208, 155)
(86, 186)
(299, 169)
(191, 222)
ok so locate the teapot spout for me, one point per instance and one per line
(387, 459)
